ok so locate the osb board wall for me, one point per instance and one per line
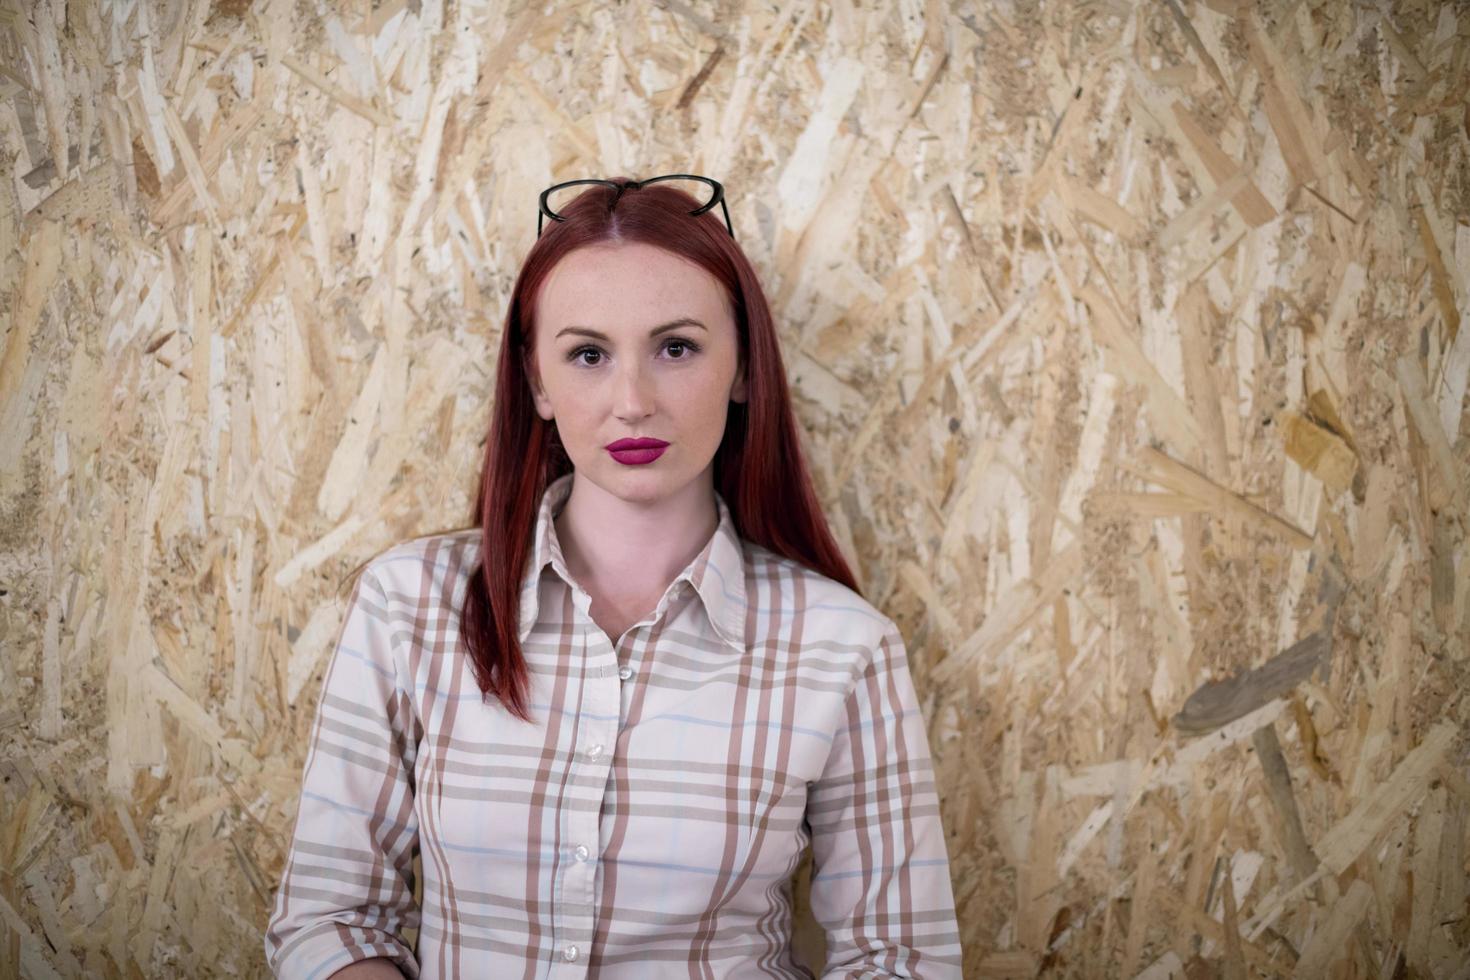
(1126, 341)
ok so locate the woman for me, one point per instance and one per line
(611, 715)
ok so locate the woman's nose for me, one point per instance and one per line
(633, 393)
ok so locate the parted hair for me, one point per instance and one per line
(759, 468)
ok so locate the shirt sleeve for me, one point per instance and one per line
(347, 890)
(880, 885)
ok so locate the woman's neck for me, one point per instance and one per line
(618, 548)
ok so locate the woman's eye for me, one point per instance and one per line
(686, 348)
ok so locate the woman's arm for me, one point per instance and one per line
(880, 871)
(376, 968)
(347, 892)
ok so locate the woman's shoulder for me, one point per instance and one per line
(834, 610)
(430, 563)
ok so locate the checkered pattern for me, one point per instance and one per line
(649, 822)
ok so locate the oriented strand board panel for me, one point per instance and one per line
(1127, 340)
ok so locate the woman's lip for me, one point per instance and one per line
(622, 444)
(637, 457)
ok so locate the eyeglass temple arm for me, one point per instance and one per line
(728, 225)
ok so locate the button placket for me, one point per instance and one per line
(579, 872)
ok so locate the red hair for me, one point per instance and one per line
(759, 468)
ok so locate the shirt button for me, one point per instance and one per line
(582, 852)
(595, 751)
(625, 672)
(569, 954)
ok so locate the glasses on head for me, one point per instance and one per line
(717, 196)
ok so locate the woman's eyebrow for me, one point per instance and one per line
(683, 321)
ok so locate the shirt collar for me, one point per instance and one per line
(717, 572)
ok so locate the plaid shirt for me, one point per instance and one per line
(650, 821)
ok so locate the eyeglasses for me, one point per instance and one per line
(717, 196)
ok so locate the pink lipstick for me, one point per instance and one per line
(636, 452)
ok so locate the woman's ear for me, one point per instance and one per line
(738, 391)
(533, 379)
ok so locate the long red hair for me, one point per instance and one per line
(759, 468)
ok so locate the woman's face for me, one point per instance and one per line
(635, 342)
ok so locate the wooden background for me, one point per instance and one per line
(1126, 340)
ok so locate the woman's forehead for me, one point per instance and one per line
(629, 281)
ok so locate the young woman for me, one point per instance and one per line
(610, 716)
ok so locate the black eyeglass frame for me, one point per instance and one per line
(717, 197)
